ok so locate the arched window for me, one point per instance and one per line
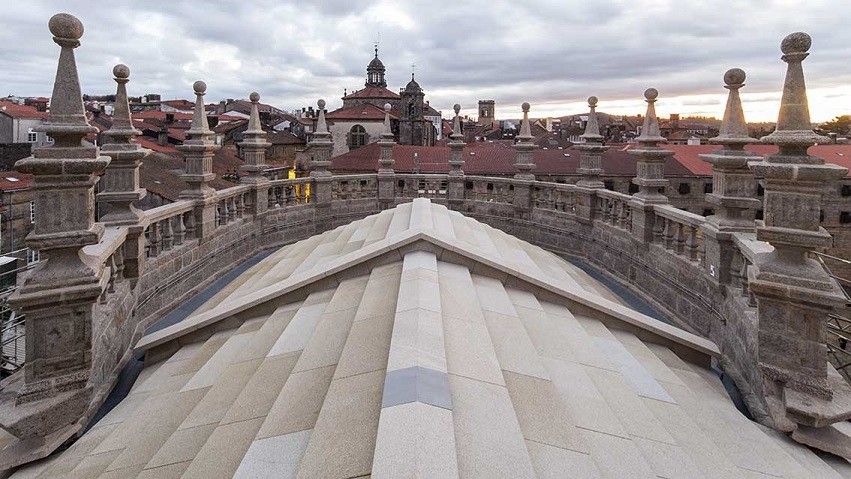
(357, 137)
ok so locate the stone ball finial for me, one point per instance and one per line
(254, 97)
(798, 42)
(321, 104)
(65, 25)
(525, 107)
(457, 108)
(121, 71)
(651, 93)
(734, 76)
(200, 87)
(592, 101)
(387, 107)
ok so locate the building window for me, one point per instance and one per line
(32, 211)
(32, 136)
(845, 217)
(357, 137)
(684, 188)
(846, 190)
(707, 187)
(760, 190)
(633, 188)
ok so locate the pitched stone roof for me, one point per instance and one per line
(366, 111)
(421, 343)
(372, 92)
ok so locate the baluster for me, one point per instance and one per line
(692, 249)
(178, 229)
(670, 234)
(240, 205)
(679, 237)
(231, 203)
(118, 260)
(153, 240)
(658, 229)
(166, 234)
(189, 221)
(291, 195)
(221, 210)
(110, 288)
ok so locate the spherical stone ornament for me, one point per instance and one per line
(457, 108)
(321, 104)
(798, 42)
(651, 93)
(200, 87)
(254, 97)
(121, 71)
(592, 101)
(65, 25)
(387, 107)
(525, 107)
(734, 76)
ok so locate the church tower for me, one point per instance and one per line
(412, 123)
(375, 72)
(486, 112)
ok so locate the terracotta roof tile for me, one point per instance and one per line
(372, 92)
(367, 111)
(21, 111)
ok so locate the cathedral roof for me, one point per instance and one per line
(372, 92)
(375, 64)
(366, 111)
(419, 342)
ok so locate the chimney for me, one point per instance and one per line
(212, 120)
(169, 118)
(162, 136)
(675, 121)
(833, 137)
(222, 108)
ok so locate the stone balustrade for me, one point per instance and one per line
(410, 186)
(288, 192)
(679, 231)
(612, 207)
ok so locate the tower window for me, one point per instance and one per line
(32, 136)
(357, 137)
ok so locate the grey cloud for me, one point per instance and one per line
(544, 51)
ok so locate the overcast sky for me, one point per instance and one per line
(553, 54)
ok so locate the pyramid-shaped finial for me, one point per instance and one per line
(650, 133)
(254, 119)
(388, 131)
(66, 123)
(592, 127)
(793, 122)
(525, 128)
(122, 124)
(321, 124)
(199, 116)
(456, 123)
(733, 129)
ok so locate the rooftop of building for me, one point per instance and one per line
(16, 110)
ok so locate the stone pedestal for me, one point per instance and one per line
(199, 150)
(733, 185)
(120, 184)
(320, 148)
(253, 147)
(455, 184)
(386, 176)
(650, 173)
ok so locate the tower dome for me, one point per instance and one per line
(412, 85)
(375, 72)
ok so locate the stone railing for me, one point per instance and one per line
(354, 187)
(679, 231)
(168, 226)
(288, 192)
(172, 259)
(409, 186)
(613, 208)
(489, 189)
(230, 204)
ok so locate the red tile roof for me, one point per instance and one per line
(367, 111)
(21, 111)
(14, 181)
(372, 92)
(497, 158)
(688, 155)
